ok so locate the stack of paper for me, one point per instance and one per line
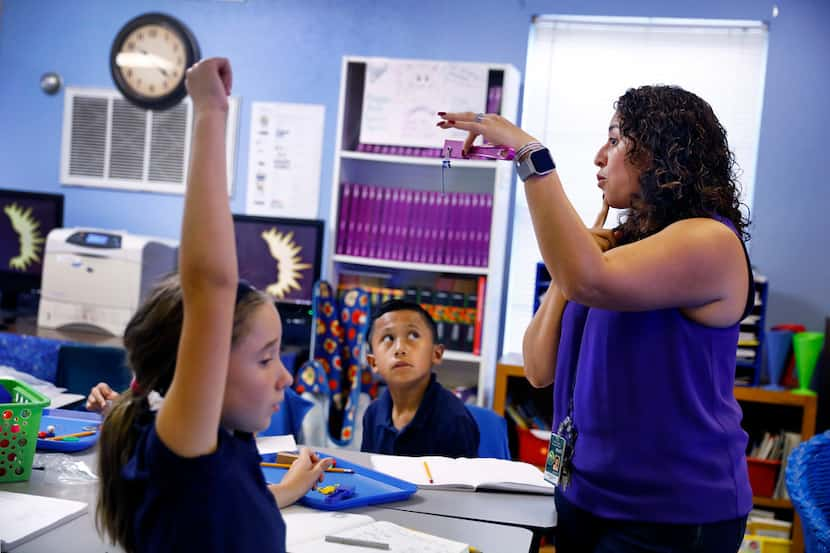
(28, 516)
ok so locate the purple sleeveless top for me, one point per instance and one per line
(660, 437)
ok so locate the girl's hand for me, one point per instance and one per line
(100, 397)
(209, 84)
(606, 239)
(494, 128)
(304, 473)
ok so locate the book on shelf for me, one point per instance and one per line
(465, 474)
(790, 441)
(312, 531)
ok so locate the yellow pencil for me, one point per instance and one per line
(429, 474)
(288, 466)
(75, 435)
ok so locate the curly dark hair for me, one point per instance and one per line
(687, 167)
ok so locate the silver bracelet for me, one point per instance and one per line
(529, 147)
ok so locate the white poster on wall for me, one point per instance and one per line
(401, 100)
(284, 157)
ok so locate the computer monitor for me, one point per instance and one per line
(280, 256)
(283, 258)
(25, 220)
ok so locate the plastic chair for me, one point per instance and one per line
(289, 419)
(80, 367)
(808, 483)
(492, 429)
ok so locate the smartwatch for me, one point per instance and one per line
(538, 162)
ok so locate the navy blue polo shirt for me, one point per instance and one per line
(217, 502)
(441, 426)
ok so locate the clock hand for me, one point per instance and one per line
(143, 60)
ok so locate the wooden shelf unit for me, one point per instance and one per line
(511, 366)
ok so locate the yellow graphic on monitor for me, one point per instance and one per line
(31, 241)
(289, 263)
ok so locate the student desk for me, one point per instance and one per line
(79, 535)
(532, 511)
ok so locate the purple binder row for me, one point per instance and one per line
(410, 151)
(419, 226)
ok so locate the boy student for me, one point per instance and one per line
(415, 415)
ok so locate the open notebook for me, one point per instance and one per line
(26, 516)
(307, 530)
(465, 474)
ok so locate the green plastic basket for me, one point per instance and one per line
(19, 425)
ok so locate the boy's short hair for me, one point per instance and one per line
(401, 305)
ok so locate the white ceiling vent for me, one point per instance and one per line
(107, 142)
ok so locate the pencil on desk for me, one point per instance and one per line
(288, 466)
(429, 474)
(75, 435)
(358, 542)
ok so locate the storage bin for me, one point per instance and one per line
(532, 450)
(19, 425)
(762, 476)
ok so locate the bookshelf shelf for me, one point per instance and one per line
(463, 356)
(405, 265)
(391, 206)
(415, 160)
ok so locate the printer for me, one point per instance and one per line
(95, 279)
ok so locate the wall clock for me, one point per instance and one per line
(148, 60)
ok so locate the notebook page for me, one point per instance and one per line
(445, 471)
(500, 471)
(399, 539)
(309, 525)
(27, 516)
(275, 444)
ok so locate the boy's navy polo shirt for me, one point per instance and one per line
(217, 502)
(441, 426)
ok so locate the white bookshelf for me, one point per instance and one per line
(469, 176)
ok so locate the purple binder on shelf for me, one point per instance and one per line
(343, 221)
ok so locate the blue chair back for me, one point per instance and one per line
(808, 483)
(492, 429)
(82, 366)
(289, 419)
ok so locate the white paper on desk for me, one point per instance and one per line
(25, 516)
(309, 525)
(284, 158)
(275, 444)
(465, 474)
(307, 529)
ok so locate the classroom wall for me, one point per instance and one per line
(291, 51)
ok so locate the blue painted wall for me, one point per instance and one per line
(291, 51)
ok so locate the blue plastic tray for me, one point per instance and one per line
(68, 422)
(371, 487)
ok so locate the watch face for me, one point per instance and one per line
(542, 161)
(149, 58)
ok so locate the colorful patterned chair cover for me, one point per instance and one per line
(336, 375)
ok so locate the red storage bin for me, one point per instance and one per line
(762, 476)
(532, 450)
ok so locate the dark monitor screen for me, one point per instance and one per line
(280, 256)
(25, 220)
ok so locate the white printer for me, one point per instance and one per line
(95, 279)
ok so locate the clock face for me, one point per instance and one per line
(149, 58)
(152, 61)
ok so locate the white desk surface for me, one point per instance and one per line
(79, 535)
(533, 511)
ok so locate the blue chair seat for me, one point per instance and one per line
(808, 483)
(492, 429)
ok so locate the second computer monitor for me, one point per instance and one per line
(280, 256)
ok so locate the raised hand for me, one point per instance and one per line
(209, 84)
(494, 128)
